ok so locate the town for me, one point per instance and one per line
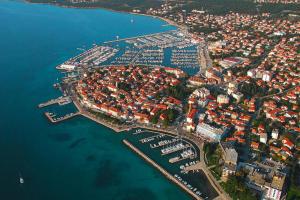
(242, 107)
(249, 98)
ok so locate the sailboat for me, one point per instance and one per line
(21, 179)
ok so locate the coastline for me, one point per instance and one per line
(123, 128)
(118, 129)
(169, 22)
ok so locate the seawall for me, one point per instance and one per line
(163, 171)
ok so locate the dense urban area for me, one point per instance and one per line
(244, 107)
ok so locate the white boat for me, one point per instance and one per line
(21, 179)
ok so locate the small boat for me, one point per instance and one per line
(21, 179)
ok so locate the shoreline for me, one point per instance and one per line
(126, 128)
(169, 22)
(114, 127)
(160, 169)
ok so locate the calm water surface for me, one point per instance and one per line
(77, 159)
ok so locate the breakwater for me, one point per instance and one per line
(52, 119)
(163, 171)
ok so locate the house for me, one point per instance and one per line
(230, 157)
(222, 99)
(267, 76)
(238, 96)
(191, 115)
(190, 127)
(275, 134)
(263, 137)
(254, 145)
(288, 143)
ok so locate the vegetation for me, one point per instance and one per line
(171, 116)
(236, 188)
(251, 89)
(213, 153)
(294, 189)
(212, 6)
(119, 5)
(178, 91)
(124, 86)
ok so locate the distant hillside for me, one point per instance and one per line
(119, 5)
(212, 6)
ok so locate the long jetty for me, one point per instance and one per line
(56, 120)
(163, 171)
(131, 38)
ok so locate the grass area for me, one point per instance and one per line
(213, 153)
(216, 173)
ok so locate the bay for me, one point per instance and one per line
(77, 159)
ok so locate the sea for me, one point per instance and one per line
(77, 159)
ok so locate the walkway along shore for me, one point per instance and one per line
(120, 128)
(163, 171)
(114, 127)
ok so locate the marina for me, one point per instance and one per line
(171, 48)
(169, 154)
(174, 148)
(174, 155)
(63, 100)
(39, 149)
(184, 155)
(96, 55)
(162, 170)
(163, 143)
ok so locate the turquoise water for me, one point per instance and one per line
(77, 159)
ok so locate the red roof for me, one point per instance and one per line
(231, 59)
(192, 114)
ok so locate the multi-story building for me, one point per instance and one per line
(209, 132)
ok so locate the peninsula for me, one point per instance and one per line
(231, 86)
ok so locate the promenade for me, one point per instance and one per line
(222, 195)
(114, 127)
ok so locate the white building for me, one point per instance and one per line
(238, 96)
(207, 131)
(251, 73)
(267, 76)
(222, 99)
(273, 190)
(263, 138)
(275, 134)
(202, 93)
